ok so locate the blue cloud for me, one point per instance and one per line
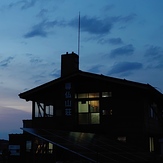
(125, 67)
(41, 29)
(108, 7)
(92, 25)
(55, 73)
(33, 59)
(159, 66)
(95, 69)
(25, 4)
(113, 41)
(154, 52)
(154, 56)
(36, 32)
(5, 62)
(97, 26)
(124, 50)
(42, 13)
(128, 18)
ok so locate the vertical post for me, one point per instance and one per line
(33, 110)
(79, 35)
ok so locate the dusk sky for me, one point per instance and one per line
(118, 38)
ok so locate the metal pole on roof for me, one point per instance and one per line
(79, 35)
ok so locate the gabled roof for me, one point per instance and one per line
(90, 76)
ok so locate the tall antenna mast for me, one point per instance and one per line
(79, 35)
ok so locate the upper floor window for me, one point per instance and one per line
(153, 111)
(42, 110)
(106, 94)
(89, 107)
(88, 112)
(87, 95)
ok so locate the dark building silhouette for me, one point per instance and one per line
(88, 117)
(4, 152)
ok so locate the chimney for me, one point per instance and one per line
(69, 63)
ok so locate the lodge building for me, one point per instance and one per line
(87, 117)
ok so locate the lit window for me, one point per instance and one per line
(50, 148)
(88, 112)
(82, 106)
(83, 95)
(93, 95)
(87, 95)
(151, 144)
(95, 118)
(106, 94)
(94, 106)
(88, 109)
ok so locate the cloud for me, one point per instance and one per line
(92, 25)
(128, 18)
(55, 73)
(96, 26)
(124, 50)
(159, 65)
(125, 67)
(154, 55)
(113, 41)
(95, 69)
(99, 28)
(5, 62)
(33, 59)
(36, 32)
(42, 13)
(25, 4)
(41, 29)
(108, 7)
(154, 52)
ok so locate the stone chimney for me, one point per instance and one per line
(69, 63)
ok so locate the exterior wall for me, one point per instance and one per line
(129, 107)
(130, 110)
